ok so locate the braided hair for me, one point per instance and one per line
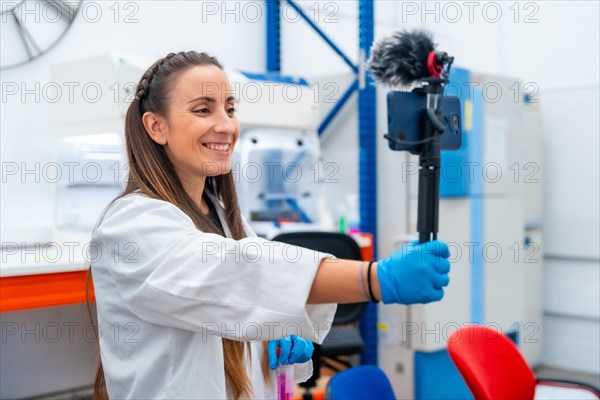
(166, 67)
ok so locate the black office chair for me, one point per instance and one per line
(342, 340)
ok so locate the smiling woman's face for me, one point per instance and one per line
(201, 127)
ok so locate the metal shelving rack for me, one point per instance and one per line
(366, 125)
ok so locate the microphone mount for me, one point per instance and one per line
(439, 64)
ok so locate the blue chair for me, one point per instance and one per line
(360, 383)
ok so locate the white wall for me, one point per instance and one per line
(560, 54)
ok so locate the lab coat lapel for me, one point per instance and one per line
(221, 213)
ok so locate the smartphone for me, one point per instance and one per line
(404, 121)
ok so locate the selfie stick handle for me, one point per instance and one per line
(429, 175)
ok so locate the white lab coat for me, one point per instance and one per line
(167, 293)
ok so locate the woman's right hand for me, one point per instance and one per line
(415, 273)
(293, 349)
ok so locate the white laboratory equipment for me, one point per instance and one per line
(277, 166)
(97, 92)
(92, 176)
(490, 208)
(88, 125)
(275, 172)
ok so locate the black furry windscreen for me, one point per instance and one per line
(401, 58)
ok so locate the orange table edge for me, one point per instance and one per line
(43, 290)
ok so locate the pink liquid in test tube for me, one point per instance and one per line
(285, 381)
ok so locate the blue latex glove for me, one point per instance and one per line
(415, 273)
(294, 349)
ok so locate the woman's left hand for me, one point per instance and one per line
(294, 349)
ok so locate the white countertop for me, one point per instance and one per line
(7, 269)
(64, 254)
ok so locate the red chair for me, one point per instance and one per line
(494, 369)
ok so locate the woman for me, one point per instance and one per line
(190, 303)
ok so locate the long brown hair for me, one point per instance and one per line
(151, 172)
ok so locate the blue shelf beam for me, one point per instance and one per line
(276, 77)
(338, 106)
(273, 36)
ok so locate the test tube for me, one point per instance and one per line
(285, 380)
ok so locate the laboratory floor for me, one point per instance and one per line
(75, 394)
(549, 372)
(541, 372)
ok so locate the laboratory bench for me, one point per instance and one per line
(30, 280)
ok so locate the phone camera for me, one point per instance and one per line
(454, 123)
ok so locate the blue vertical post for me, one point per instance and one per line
(368, 168)
(273, 35)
